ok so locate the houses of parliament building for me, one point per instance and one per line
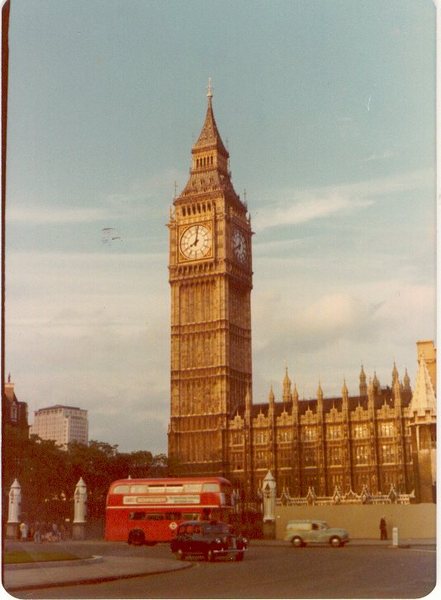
(384, 436)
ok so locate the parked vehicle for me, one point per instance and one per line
(148, 511)
(209, 539)
(303, 532)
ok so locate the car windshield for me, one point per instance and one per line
(216, 529)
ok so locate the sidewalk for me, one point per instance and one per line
(107, 568)
(92, 570)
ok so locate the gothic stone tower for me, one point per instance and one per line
(210, 275)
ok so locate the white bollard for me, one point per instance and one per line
(395, 536)
(14, 510)
(269, 497)
(80, 508)
(269, 506)
(80, 498)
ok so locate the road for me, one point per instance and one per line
(275, 572)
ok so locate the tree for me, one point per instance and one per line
(48, 475)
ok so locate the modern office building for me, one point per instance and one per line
(62, 424)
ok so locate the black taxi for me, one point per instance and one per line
(209, 539)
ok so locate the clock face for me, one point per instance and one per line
(239, 246)
(196, 242)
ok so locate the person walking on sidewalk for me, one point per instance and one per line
(383, 529)
(24, 528)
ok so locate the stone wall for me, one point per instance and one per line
(362, 521)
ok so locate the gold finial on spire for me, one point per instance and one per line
(209, 89)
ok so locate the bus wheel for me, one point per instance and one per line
(136, 537)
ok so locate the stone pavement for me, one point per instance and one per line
(92, 570)
(107, 568)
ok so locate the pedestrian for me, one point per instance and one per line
(24, 531)
(37, 533)
(55, 533)
(383, 528)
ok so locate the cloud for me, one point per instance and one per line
(89, 331)
(313, 324)
(385, 155)
(297, 206)
(140, 198)
(43, 215)
(311, 209)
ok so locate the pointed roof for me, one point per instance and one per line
(286, 386)
(210, 136)
(423, 398)
(319, 392)
(344, 390)
(271, 396)
(406, 380)
(395, 374)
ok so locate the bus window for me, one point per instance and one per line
(139, 489)
(192, 488)
(156, 488)
(174, 489)
(210, 487)
(137, 516)
(155, 517)
(190, 516)
(121, 489)
(173, 516)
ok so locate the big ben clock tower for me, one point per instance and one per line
(210, 275)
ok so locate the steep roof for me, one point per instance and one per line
(210, 136)
(423, 398)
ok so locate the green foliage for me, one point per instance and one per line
(48, 474)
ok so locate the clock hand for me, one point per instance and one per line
(196, 239)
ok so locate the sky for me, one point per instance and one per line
(327, 108)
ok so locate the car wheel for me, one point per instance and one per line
(180, 555)
(297, 542)
(136, 537)
(240, 555)
(335, 541)
(210, 555)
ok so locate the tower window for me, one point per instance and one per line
(14, 412)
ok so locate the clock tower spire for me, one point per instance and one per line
(210, 276)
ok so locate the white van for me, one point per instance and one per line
(313, 531)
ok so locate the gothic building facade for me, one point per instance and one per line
(383, 436)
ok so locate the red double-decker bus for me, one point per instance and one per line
(147, 511)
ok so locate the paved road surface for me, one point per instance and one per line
(269, 571)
